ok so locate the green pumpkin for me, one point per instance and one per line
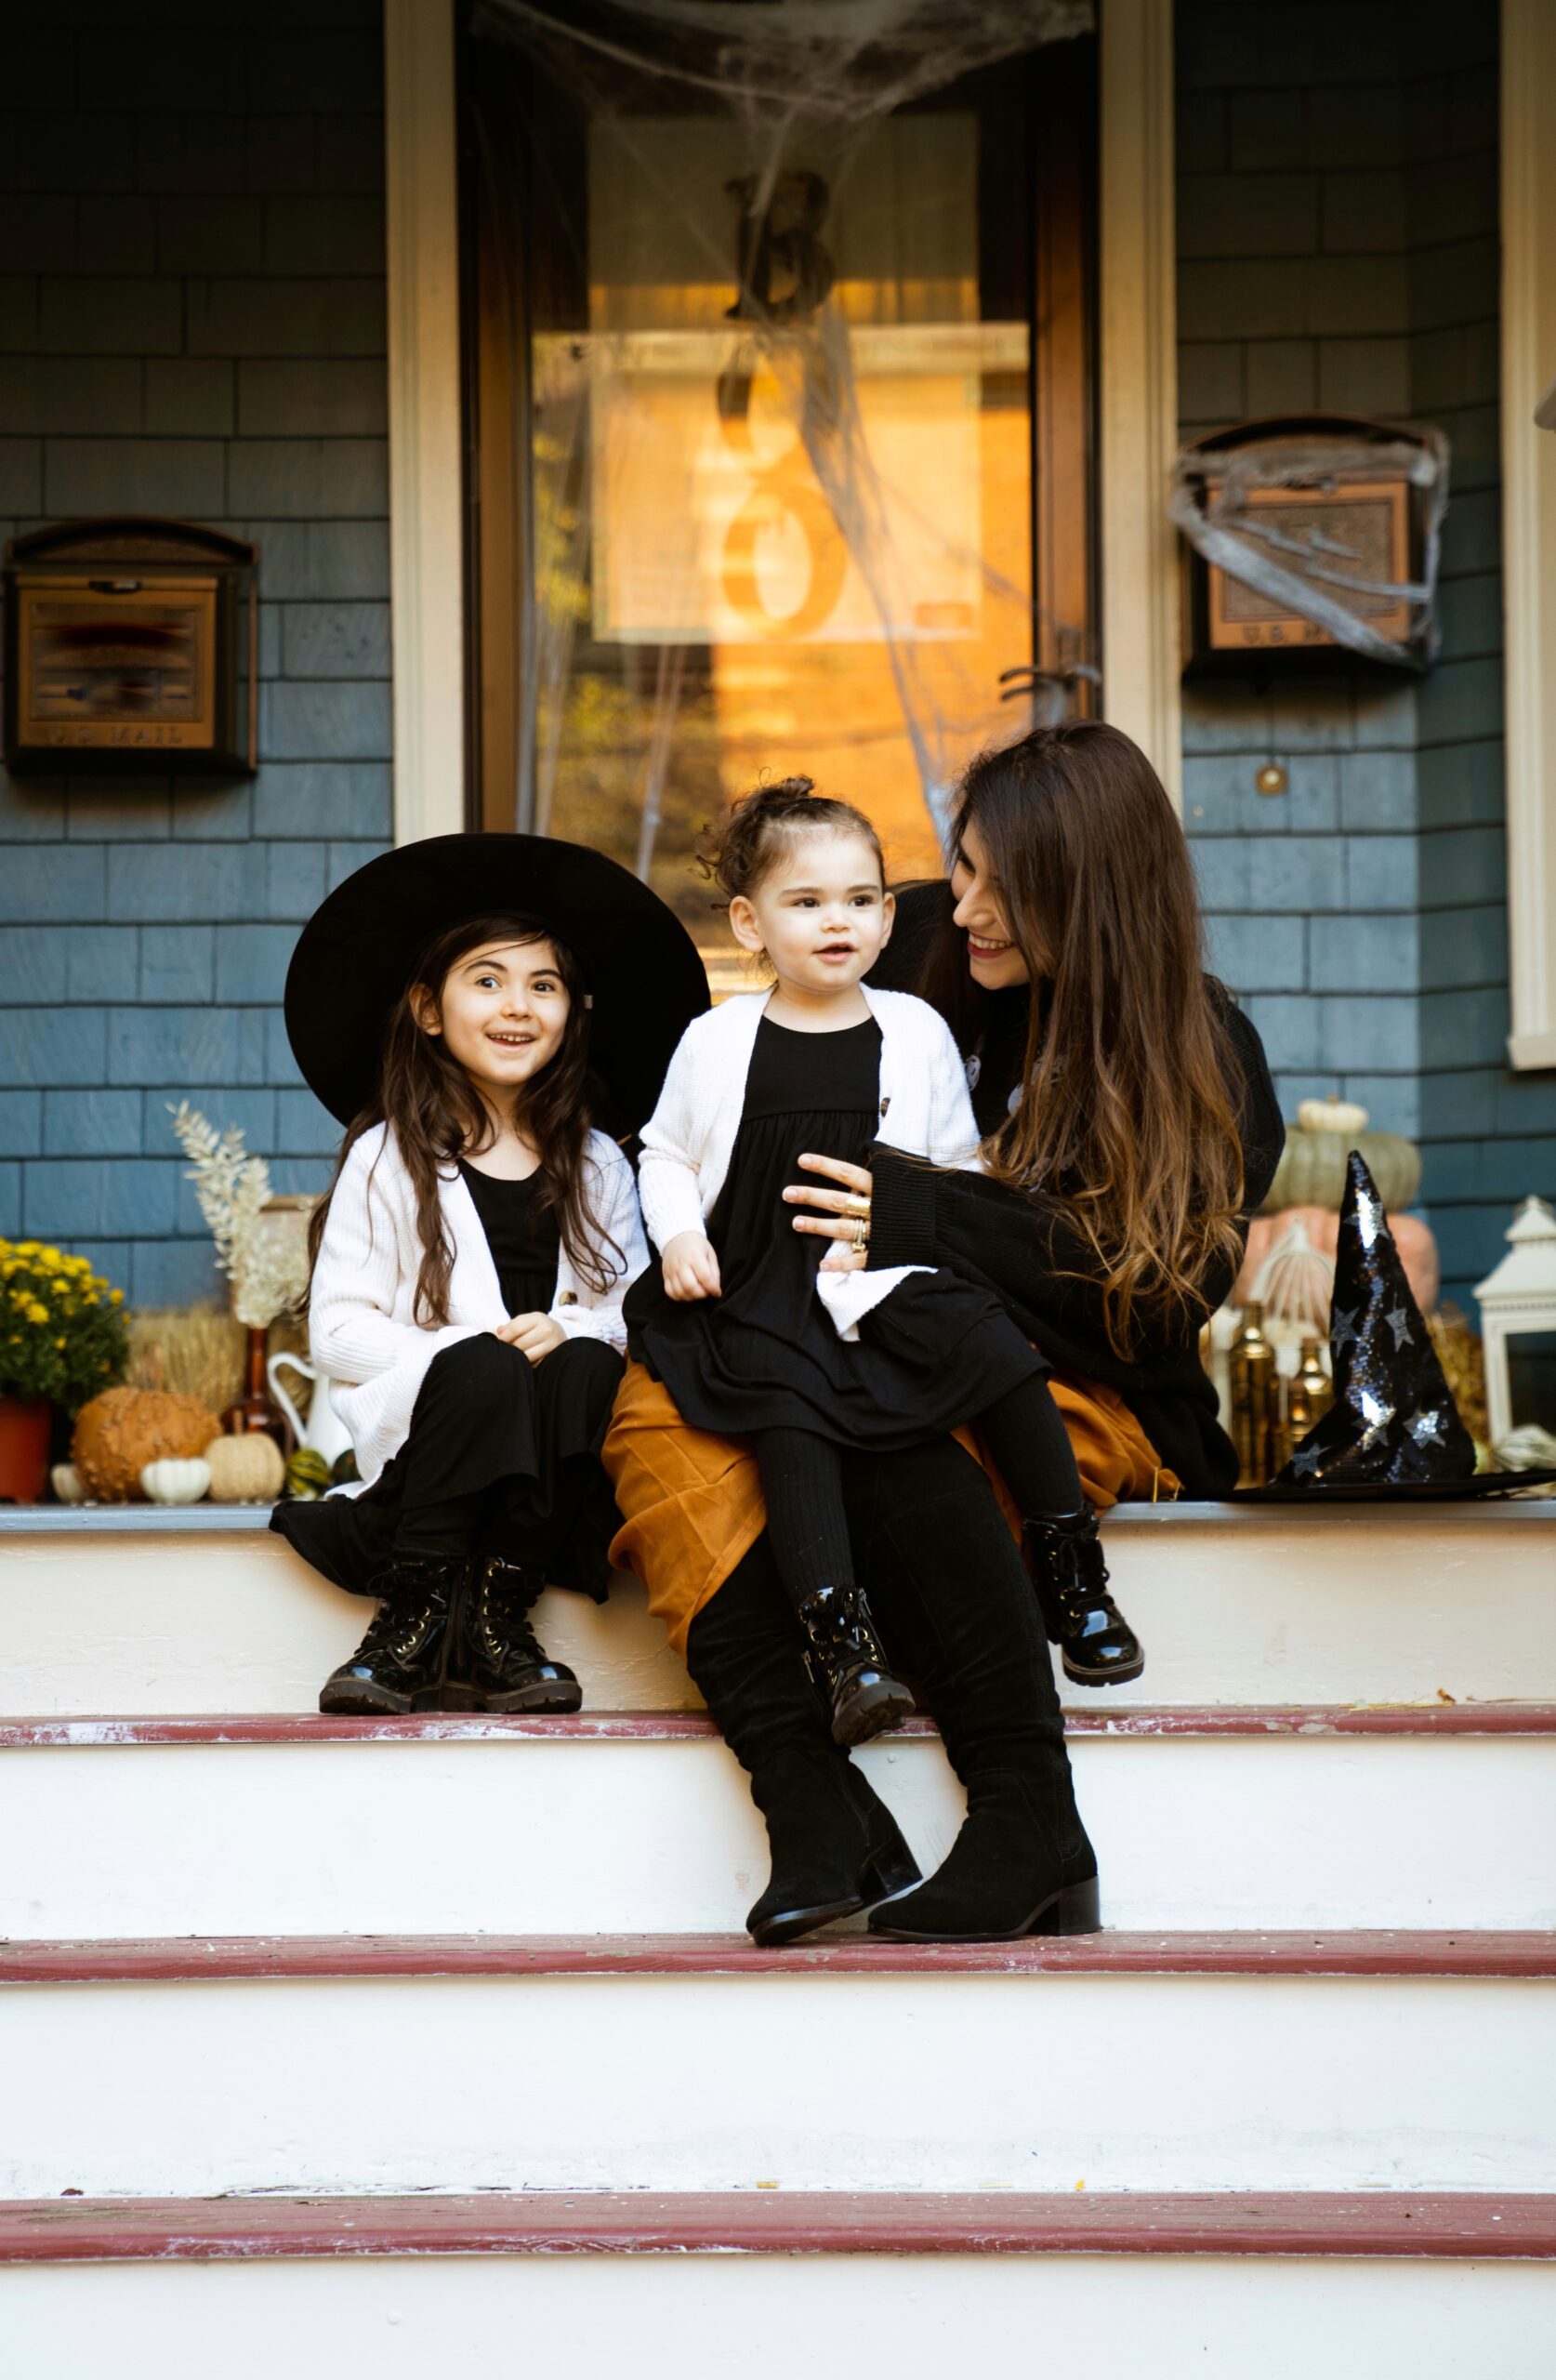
(1312, 1171)
(308, 1474)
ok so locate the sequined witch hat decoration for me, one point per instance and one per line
(1393, 1423)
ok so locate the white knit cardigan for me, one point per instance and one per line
(686, 1143)
(363, 1333)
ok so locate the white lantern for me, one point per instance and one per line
(1517, 1299)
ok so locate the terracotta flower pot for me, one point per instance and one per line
(25, 1427)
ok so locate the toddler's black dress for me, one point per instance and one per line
(766, 1353)
(525, 1437)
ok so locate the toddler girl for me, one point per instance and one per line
(744, 1329)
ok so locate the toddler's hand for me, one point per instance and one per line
(533, 1334)
(690, 1268)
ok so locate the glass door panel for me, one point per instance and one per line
(755, 467)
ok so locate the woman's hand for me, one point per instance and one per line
(845, 1216)
(533, 1334)
(690, 1268)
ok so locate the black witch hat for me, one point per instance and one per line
(1393, 1429)
(357, 952)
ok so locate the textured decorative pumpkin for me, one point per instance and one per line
(1331, 1116)
(246, 1469)
(122, 1431)
(170, 1481)
(1312, 1171)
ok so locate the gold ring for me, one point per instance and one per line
(856, 1205)
(861, 1239)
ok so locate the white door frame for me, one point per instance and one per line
(427, 504)
(1529, 519)
(1139, 401)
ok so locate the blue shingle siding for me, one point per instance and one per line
(1337, 248)
(191, 321)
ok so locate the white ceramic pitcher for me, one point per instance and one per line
(324, 1431)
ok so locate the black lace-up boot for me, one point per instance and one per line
(402, 1661)
(502, 1664)
(1096, 1643)
(835, 1846)
(849, 1667)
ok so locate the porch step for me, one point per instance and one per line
(754, 2281)
(139, 1611)
(1224, 1817)
(1115, 2063)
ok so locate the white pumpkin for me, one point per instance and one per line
(176, 1481)
(1331, 1116)
(69, 1485)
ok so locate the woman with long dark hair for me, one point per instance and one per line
(471, 1254)
(1129, 1128)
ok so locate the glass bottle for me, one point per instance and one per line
(1255, 1399)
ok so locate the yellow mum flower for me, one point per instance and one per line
(117, 1297)
(36, 1313)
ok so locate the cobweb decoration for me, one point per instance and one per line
(802, 88)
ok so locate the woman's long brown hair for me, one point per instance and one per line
(436, 1115)
(1124, 1119)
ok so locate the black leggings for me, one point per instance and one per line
(802, 1483)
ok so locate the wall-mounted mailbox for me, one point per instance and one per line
(1302, 536)
(131, 646)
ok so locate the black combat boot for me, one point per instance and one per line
(501, 1663)
(849, 1668)
(835, 1848)
(402, 1661)
(1096, 1643)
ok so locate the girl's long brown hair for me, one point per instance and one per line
(436, 1115)
(1124, 1119)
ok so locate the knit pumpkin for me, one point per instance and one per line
(122, 1431)
(246, 1470)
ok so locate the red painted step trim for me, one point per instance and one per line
(78, 1732)
(306, 1957)
(842, 2223)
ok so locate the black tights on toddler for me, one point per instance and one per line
(802, 1483)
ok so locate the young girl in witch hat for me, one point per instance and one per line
(742, 1327)
(466, 1007)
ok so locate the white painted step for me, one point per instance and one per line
(644, 1825)
(647, 2068)
(509, 2303)
(136, 1611)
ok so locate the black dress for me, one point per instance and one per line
(516, 1442)
(766, 1355)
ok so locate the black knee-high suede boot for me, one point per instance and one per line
(949, 1587)
(835, 1848)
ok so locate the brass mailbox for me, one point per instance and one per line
(131, 646)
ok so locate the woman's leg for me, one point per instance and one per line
(808, 1529)
(1031, 1448)
(954, 1600)
(835, 1847)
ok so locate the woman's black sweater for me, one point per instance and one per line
(1023, 1247)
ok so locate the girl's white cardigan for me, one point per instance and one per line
(686, 1145)
(361, 1330)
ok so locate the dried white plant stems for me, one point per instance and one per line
(268, 1273)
